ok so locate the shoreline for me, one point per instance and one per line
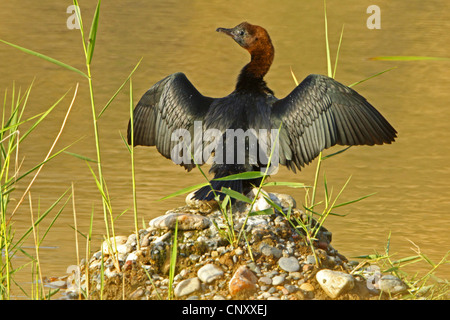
(272, 262)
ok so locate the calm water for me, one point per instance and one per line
(409, 177)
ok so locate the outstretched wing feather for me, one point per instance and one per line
(321, 112)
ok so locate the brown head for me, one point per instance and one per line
(256, 41)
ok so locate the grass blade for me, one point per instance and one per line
(336, 153)
(407, 58)
(79, 156)
(185, 190)
(242, 176)
(236, 195)
(266, 212)
(353, 201)
(173, 260)
(46, 58)
(330, 74)
(93, 34)
(373, 76)
(118, 90)
(286, 184)
(337, 53)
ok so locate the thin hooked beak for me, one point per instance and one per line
(226, 31)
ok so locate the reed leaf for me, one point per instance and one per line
(46, 58)
(242, 176)
(236, 195)
(408, 58)
(185, 190)
(118, 90)
(372, 76)
(93, 34)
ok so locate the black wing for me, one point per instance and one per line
(172, 103)
(321, 112)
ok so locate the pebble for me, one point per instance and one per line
(271, 251)
(310, 259)
(201, 206)
(277, 280)
(210, 272)
(308, 287)
(265, 280)
(186, 221)
(116, 244)
(186, 287)
(260, 203)
(289, 264)
(391, 284)
(242, 282)
(290, 288)
(137, 294)
(334, 283)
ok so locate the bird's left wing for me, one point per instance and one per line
(321, 112)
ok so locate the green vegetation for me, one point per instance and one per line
(426, 286)
(10, 138)
(11, 173)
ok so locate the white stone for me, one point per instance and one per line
(117, 244)
(132, 257)
(334, 283)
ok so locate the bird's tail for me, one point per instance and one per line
(206, 193)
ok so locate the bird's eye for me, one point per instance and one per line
(241, 33)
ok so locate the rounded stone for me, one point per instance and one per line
(187, 287)
(277, 280)
(210, 272)
(334, 283)
(391, 284)
(289, 264)
(243, 281)
(265, 280)
(201, 205)
(271, 251)
(116, 244)
(186, 221)
(306, 286)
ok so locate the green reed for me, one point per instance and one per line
(425, 285)
(12, 173)
(88, 44)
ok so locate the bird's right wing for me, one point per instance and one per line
(172, 103)
(321, 112)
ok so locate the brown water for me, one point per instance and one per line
(409, 177)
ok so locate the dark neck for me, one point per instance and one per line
(252, 75)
